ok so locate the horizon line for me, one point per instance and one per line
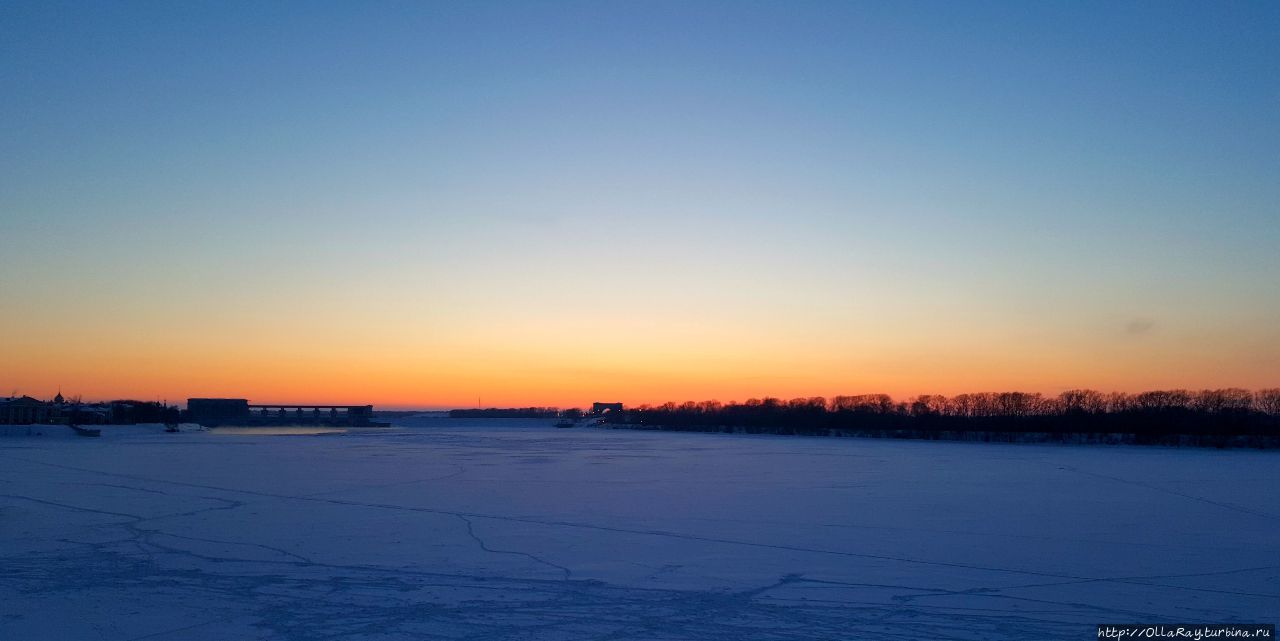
(410, 407)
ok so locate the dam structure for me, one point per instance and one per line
(212, 412)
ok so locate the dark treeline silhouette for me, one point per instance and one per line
(507, 412)
(1220, 417)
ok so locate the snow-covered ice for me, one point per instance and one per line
(461, 529)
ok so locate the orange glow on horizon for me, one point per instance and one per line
(545, 356)
(534, 378)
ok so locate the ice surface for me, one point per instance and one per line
(464, 529)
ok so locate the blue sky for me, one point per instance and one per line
(839, 186)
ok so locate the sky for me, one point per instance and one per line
(438, 204)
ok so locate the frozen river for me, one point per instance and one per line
(458, 529)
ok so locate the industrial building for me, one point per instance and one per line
(211, 412)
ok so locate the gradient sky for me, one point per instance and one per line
(419, 204)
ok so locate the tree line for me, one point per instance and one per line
(1213, 416)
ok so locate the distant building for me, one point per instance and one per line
(212, 412)
(218, 411)
(95, 414)
(601, 408)
(24, 410)
(132, 412)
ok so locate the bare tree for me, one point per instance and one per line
(1231, 399)
(1267, 400)
(1163, 400)
(1082, 400)
(929, 405)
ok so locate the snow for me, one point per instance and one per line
(510, 529)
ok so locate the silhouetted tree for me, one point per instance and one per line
(1267, 401)
(1161, 416)
(1085, 401)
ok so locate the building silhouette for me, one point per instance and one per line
(211, 412)
(601, 408)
